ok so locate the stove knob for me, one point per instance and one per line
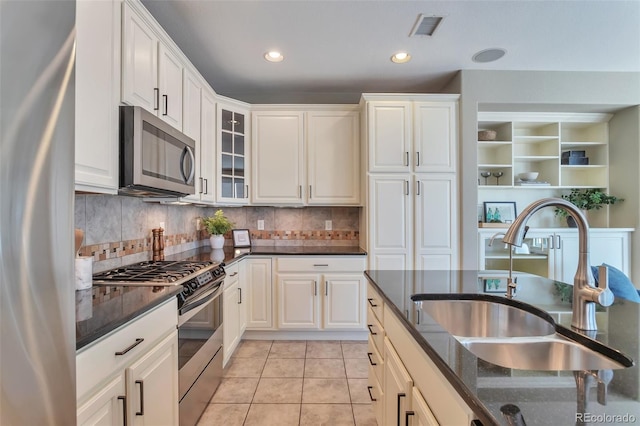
(193, 284)
(217, 272)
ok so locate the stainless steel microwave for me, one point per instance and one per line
(155, 158)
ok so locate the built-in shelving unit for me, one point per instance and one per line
(534, 142)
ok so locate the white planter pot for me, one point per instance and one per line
(217, 241)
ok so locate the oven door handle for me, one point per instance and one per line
(202, 299)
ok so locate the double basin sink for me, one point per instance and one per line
(512, 334)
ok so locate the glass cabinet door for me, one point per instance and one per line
(233, 181)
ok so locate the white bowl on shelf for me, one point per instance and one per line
(528, 176)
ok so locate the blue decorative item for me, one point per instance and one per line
(619, 284)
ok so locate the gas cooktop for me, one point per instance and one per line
(156, 273)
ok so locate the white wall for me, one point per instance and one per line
(528, 90)
(624, 155)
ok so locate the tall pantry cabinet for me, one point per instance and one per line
(412, 217)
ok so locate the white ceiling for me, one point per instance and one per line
(336, 50)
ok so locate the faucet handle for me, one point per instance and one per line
(605, 296)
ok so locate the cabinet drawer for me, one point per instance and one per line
(377, 396)
(98, 361)
(320, 264)
(374, 301)
(375, 359)
(233, 274)
(376, 332)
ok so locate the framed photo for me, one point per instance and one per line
(495, 285)
(499, 211)
(241, 238)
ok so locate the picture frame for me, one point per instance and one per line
(500, 211)
(495, 285)
(241, 238)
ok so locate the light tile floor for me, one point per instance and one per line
(293, 383)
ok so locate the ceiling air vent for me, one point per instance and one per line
(426, 25)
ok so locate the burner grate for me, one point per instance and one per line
(152, 272)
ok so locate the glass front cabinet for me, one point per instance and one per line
(233, 153)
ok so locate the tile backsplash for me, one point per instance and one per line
(118, 229)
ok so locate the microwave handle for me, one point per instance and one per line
(192, 172)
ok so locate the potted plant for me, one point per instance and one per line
(217, 225)
(586, 199)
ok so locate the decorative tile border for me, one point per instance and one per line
(116, 249)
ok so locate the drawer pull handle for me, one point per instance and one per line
(137, 342)
(320, 264)
(373, 305)
(370, 360)
(141, 412)
(371, 396)
(407, 414)
(239, 296)
(124, 409)
(400, 395)
(371, 331)
(233, 275)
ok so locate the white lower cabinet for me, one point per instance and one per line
(420, 414)
(321, 293)
(554, 252)
(259, 293)
(131, 375)
(376, 393)
(233, 306)
(412, 391)
(398, 387)
(152, 384)
(105, 407)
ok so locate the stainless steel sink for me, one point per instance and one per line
(551, 353)
(482, 318)
(513, 334)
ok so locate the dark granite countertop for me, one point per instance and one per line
(228, 254)
(102, 309)
(543, 397)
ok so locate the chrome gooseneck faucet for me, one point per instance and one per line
(585, 293)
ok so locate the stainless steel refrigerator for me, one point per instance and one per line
(37, 313)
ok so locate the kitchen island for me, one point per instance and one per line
(541, 397)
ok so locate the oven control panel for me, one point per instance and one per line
(190, 287)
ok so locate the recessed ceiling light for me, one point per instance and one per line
(401, 58)
(489, 55)
(273, 56)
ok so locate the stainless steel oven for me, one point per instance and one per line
(199, 352)
(199, 323)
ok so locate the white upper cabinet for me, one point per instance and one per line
(389, 138)
(97, 92)
(233, 159)
(333, 157)
(151, 70)
(435, 221)
(435, 136)
(306, 155)
(208, 146)
(390, 222)
(191, 125)
(170, 82)
(278, 157)
(139, 62)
